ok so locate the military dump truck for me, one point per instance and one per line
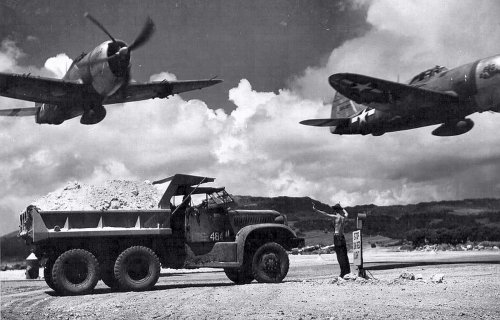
(126, 248)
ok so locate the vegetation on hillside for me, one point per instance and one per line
(428, 222)
(450, 222)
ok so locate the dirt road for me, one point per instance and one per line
(469, 290)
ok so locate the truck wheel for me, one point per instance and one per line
(108, 274)
(137, 268)
(75, 271)
(270, 263)
(239, 275)
(47, 273)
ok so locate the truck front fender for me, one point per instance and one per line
(266, 232)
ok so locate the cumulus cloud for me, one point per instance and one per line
(405, 38)
(259, 148)
(58, 65)
(408, 37)
(10, 54)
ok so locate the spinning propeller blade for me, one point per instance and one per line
(143, 37)
(97, 23)
(124, 52)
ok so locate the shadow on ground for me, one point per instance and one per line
(386, 265)
(155, 288)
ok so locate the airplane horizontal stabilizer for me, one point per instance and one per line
(18, 112)
(330, 122)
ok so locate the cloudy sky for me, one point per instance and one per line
(275, 57)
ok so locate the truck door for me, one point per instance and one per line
(209, 221)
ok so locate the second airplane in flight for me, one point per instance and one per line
(367, 105)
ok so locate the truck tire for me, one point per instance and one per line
(137, 268)
(270, 263)
(239, 275)
(75, 271)
(108, 274)
(47, 273)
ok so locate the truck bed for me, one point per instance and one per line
(38, 225)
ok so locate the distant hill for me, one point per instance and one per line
(457, 207)
(299, 208)
(296, 208)
(439, 221)
(12, 248)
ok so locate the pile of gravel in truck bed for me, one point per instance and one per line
(113, 194)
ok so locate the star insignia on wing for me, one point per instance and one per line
(363, 116)
(362, 87)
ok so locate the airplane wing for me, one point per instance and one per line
(330, 122)
(38, 89)
(157, 89)
(389, 96)
(18, 112)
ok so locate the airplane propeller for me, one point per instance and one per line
(98, 24)
(143, 37)
(123, 52)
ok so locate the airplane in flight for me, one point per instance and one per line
(100, 77)
(366, 105)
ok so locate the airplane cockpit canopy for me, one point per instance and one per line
(79, 58)
(428, 74)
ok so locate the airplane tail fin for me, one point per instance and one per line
(342, 111)
(343, 108)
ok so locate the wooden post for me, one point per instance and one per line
(357, 245)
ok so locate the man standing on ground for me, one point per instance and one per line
(338, 214)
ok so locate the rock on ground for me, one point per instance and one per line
(437, 278)
(407, 275)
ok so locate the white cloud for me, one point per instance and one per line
(259, 148)
(408, 37)
(58, 65)
(163, 76)
(9, 54)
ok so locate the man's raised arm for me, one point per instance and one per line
(322, 212)
(345, 213)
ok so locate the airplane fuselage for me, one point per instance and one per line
(476, 85)
(100, 76)
(101, 79)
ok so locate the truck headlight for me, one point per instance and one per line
(281, 219)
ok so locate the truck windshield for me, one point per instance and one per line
(219, 197)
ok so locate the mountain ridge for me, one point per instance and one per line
(481, 216)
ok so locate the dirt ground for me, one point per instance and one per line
(470, 290)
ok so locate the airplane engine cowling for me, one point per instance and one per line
(49, 114)
(454, 128)
(94, 115)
